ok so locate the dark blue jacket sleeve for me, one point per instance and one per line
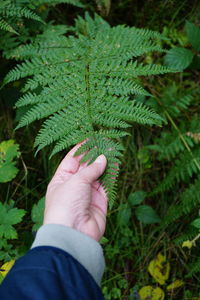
(49, 273)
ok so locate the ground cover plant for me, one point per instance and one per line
(151, 128)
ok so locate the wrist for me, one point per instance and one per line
(71, 241)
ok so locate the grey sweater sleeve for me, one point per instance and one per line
(83, 248)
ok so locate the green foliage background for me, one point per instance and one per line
(158, 193)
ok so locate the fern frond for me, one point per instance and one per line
(188, 202)
(174, 101)
(84, 85)
(183, 168)
(190, 198)
(171, 143)
(194, 268)
(181, 147)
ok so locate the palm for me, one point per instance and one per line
(94, 210)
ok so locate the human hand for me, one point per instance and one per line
(75, 198)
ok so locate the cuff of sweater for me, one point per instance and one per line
(84, 249)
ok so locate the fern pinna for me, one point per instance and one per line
(84, 84)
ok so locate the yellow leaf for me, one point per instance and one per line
(150, 293)
(174, 285)
(42, 8)
(5, 268)
(159, 269)
(16, 83)
(188, 244)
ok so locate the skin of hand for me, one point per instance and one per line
(75, 198)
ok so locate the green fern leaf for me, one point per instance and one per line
(184, 168)
(84, 85)
(188, 202)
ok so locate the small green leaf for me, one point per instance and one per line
(8, 217)
(196, 223)
(178, 58)
(146, 214)
(124, 214)
(193, 33)
(8, 151)
(103, 240)
(136, 197)
(8, 172)
(37, 214)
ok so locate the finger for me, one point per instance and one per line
(92, 172)
(70, 163)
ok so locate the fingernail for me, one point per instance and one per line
(99, 159)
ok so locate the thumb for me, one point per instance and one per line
(95, 170)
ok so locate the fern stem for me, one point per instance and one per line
(195, 239)
(88, 99)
